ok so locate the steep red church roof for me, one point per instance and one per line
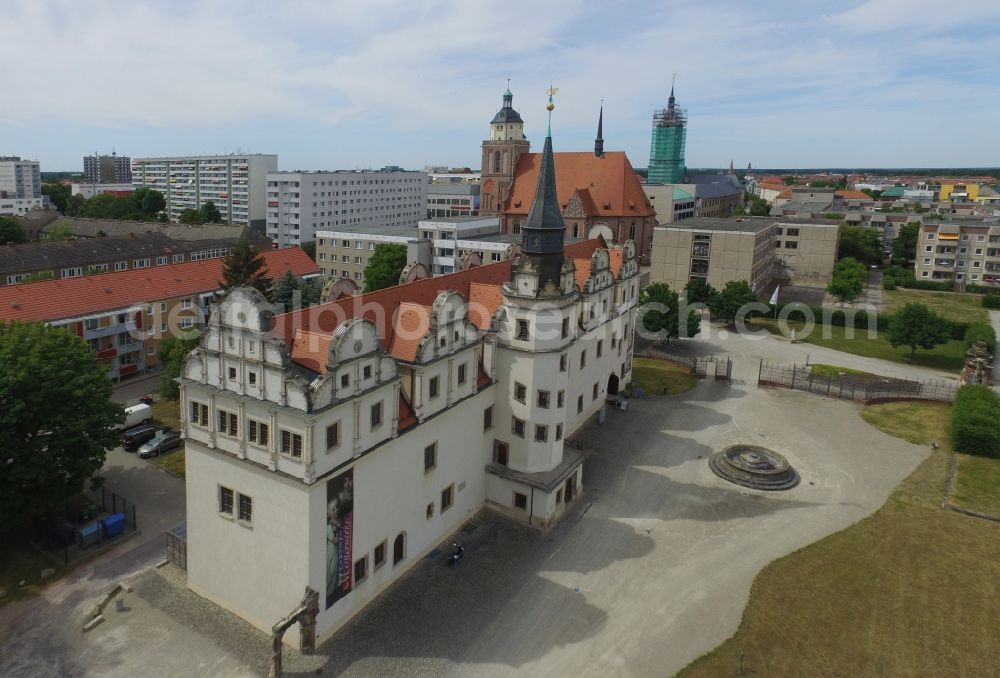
(608, 185)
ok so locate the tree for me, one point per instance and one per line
(56, 419)
(698, 291)
(152, 203)
(904, 247)
(667, 318)
(759, 207)
(189, 215)
(310, 249)
(726, 303)
(848, 280)
(861, 243)
(283, 295)
(210, 214)
(74, 206)
(245, 267)
(384, 266)
(917, 326)
(58, 193)
(11, 231)
(172, 352)
(61, 230)
(789, 180)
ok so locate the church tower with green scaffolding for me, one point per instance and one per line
(666, 150)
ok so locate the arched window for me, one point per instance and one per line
(496, 163)
(503, 168)
(399, 548)
(576, 230)
(631, 231)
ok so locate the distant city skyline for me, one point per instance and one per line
(882, 83)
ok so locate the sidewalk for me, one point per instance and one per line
(128, 392)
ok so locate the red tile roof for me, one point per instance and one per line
(310, 349)
(410, 327)
(51, 300)
(852, 195)
(381, 306)
(483, 300)
(608, 185)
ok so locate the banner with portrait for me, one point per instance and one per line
(339, 536)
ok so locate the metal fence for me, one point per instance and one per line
(719, 366)
(865, 388)
(111, 502)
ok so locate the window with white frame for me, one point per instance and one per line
(291, 444)
(257, 432)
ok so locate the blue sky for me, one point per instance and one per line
(339, 84)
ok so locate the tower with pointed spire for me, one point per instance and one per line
(666, 149)
(599, 141)
(500, 154)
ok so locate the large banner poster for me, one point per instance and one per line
(339, 536)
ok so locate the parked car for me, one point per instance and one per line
(164, 441)
(137, 435)
(135, 415)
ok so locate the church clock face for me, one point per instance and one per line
(489, 186)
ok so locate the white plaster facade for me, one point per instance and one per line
(445, 391)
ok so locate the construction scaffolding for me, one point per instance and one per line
(666, 149)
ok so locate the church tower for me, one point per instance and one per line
(666, 149)
(500, 154)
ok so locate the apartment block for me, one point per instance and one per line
(807, 248)
(301, 203)
(125, 315)
(236, 184)
(107, 169)
(20, 179)
(965, 253)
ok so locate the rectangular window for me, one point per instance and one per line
(517, 426)
(522, 330)
(246, 508)
(434, 387)
(565, 327)
(541, 433)
(360, 570)
(583, 358)
(447, 498)
(291, 444)
(232, 374)
(367, 372)
(520, 392)
(600, 347)
(543, 399)
(461, 373)
(252, 378)
(228, 423)
(257, 432)
(521, 501)
(225, 501)
(380, 555)
(562, 363)
(558, 431)
(332, 435)
(595, 391)
(376, 415)
(430, 457)
(579, 404)
(488, 418)
(199, 413)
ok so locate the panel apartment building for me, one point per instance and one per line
(107, 169)
(301, 203)
(20, 185)
(125, 315)
(968, 253)
(234, 183)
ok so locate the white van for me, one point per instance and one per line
(135, 415)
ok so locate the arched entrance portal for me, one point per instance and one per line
(613, 384)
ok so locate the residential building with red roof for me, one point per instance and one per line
(335, 447)
(124, 315)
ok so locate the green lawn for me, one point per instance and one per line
(948, 357)
(172, 461)
(977, 484)
(658, 376)
(913, 590)
(820, 369)
(951, 305)
(167, 413)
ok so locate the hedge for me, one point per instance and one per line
(974, 421)
(980, 331)
(903, 277)
(991, 301)
(859, 318)
(973, 288)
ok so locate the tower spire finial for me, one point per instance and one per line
(599, 141)
(549, 106)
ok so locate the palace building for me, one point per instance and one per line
(334, 447)
(598, 192)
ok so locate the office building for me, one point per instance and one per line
(301, 203)
(452, 199)
(236, 184)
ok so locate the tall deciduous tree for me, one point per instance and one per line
(917, 326)
(245, 267)
(661, 313)
(384, 266)
(848, 280)
(698, 291)
(172, 352)
(904, 246)
(861, 243)
(11, 231)
(730, 299)
(56, 418)
(210, 213)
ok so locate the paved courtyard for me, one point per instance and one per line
(652, 568)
